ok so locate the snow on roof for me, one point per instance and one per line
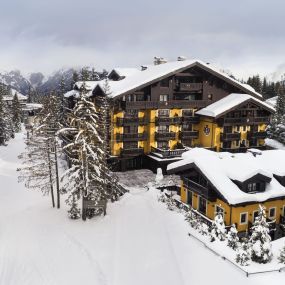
(137, 78)
(32, 106)
(125, 71)
(72, 93)
(9, 97)
(222, 168)
(272, 101)
(229, 102)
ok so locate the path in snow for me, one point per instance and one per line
(138, 242)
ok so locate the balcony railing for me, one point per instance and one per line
(188, 134)
(132, 151)
(131, 121)
(131, 137)
(167, 153)
(168, 121)
(190, 86)
(230, 136)
(191, 119)
(179, 104)
(257, 135)
(244, 121)
(201, 190)
(164, 136)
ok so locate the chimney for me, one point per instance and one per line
(159, 60)
(181, 58)
(143, 67)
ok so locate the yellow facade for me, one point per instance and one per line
(232, 214)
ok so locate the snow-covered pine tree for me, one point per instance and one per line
(49, 124)
(74, 211)
(6, 129)
(260, 239)
(243, 255)
(16, 113)
(37, 171)
(232, 236)
(218, 229)
(85, 178)
(281, 257)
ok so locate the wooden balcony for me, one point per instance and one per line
(194, 87)
(131, 121)
(167, 153)
(230, 137)
(131, 137)
(199, 189)
(244, 121)
(188, 134)
(191, 119)
(179, 104)
(256, 135)
(132, 152)
(164, 136)
(168, 121)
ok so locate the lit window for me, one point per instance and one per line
(243, 218)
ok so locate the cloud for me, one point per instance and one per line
(244, 36)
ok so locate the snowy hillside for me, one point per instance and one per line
(138, 242)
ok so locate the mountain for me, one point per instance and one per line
(15, 80)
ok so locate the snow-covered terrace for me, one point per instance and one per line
(222, 168)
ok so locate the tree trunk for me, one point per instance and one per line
(50, 178)
(84, 190)
(56, 175)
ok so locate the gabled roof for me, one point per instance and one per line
(230, 102)
(137, 79)
(221, 169)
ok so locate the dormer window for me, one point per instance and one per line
(251, 187)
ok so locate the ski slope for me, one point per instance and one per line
(138, 242)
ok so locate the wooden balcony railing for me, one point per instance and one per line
(164, 136)
(257, 135)
(131, 137)
(230, 136)
(131, 121)
(201, 190)
(190, 86)
(179, 104)
(191, 119)
(188, 134)
(168, 121)
(244, 121)
(167, 153)
(132, 151)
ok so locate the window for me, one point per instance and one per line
(202, 205)
(164, 82)
(163, 98)
(220, 210)
(244, 128)
(189, 197)
(131, 113)
(162, 145)
(187, 113)
(130, 145)
(163, 129)
(243, 218)
(272, 213)
(187, 127)
(163, 113)
(254, 216)
(131, 129)
(251, 187)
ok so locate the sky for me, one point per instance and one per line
(243, 36)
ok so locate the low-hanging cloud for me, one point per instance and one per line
(245, 36)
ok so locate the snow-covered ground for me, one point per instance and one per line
(274, 144)
(138, 242)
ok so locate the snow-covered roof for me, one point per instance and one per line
(135, 79)
(272, 101)
(229, 102)
(125, 71)
(32, 106)
(222, 168)
(10, 97)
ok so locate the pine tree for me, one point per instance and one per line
(281, 257)
(74, 211)
(37, 171)
(218, 229)
(232, 236)
(75, 78)
(243, 254)
(16, 113)
(85, 178)
(85, 74)
(6, 130)
(260, 238)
